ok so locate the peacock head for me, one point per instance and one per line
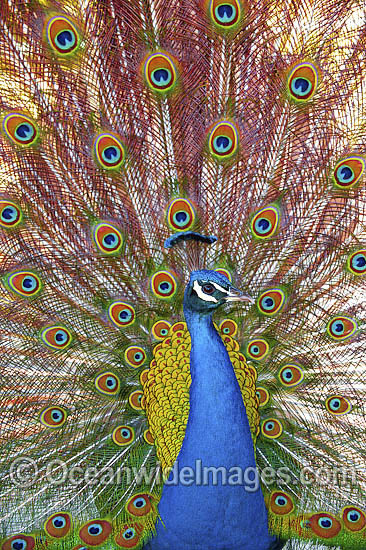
(208, 290)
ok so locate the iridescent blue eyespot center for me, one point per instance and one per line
(61, 336)
(59, 522)
(338, 327)
(353, 516)
(269, 426)
(222, 143)
(125, 315)
(268, 303)
(281, 501)
(262, 225)
(140, 502)
(29, 283)
(335, 404)
(225, 13)
(110, 240)
(180, 217)
(359, 261)
(111, 154)
(138, 356)
(164, 332)
(165, 287)
(9, 214)
(161, 77)
(326, 523)
(129, 534)
(345, 174)
(18, 544)
(125, 434)
(111, 382)
(56, 415)
(94, 529)
(301, 86)
(65, 39)
(24, 131)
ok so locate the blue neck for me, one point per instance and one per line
(216, 514)
(218, 429)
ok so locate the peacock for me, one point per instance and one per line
(182, 262)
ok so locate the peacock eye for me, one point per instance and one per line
(62, 35)
(160, 72)
(208, 288)
(223, 139)
(123, 435)
(109, 151)
(302, 82)
(348, 172)
(95, 532)
(225, 14)
(20, 129)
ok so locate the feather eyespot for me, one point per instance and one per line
(356, 262)
(223, 140)
(181, 215)
(271, 301)
(139, 505)
(123, 435)
(121, 314)
(291, 375)
(19, 542)
(130, 536)
(135, 400)
(53, 417)
(24, 283)
(10, 214)
(108, 383)
(58, 525)
(354, 519)
(340, 328)
(265, 222)
(225, 14)
(20, 129)
(56, 337)
(228, 327)
(224, 272)
(95, 532)
(109, 151)
(271, 428)
(348, 172)
(148, 437)
(160, 329)
(257, 349)
(160, 72)
(62, 35)
(135, 356)
(337, 405)
(263, 396)
(302, 82)
(324, 525)
(281, 503)
(163, 284)
(107, 238)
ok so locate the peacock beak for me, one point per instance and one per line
(236, 295)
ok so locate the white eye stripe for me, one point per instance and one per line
(202, 295)
(218, 287)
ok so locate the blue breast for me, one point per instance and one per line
(212, 499)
